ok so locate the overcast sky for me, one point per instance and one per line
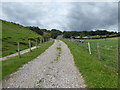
(63, 15)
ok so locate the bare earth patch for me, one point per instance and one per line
(54, 68)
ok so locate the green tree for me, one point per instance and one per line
(55, 33)
(36, 29)
(47, 35)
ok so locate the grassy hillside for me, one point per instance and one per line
(11, 34)
(0, 38)
(95, 73)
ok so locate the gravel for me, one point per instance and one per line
(52, 69)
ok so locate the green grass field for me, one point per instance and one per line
(104, 36)
(14, 63)
(11, 34)
(95, 73)
(108, 50)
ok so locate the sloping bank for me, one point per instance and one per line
(95, 74)
(14, 63)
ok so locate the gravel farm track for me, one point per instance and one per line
(55, 68)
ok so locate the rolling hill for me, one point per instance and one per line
(13, 33)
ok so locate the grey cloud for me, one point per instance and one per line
(63, 16)
(87, 16)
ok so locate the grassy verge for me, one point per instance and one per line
(95, 74)
(14, 63)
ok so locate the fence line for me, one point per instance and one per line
(89, 47)
(19, 52)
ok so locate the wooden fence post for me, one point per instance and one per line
(89, 47)
(36, 43)
(98, 48)
(19, 49)
(30, 46)
(39, 41)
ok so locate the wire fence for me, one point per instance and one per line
(19, 47)
(104, 50)
(31, 43)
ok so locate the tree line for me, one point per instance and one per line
(54, 33)
(73, 34)
(46, 33)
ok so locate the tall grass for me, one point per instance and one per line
(108, 51)
(95, 73)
